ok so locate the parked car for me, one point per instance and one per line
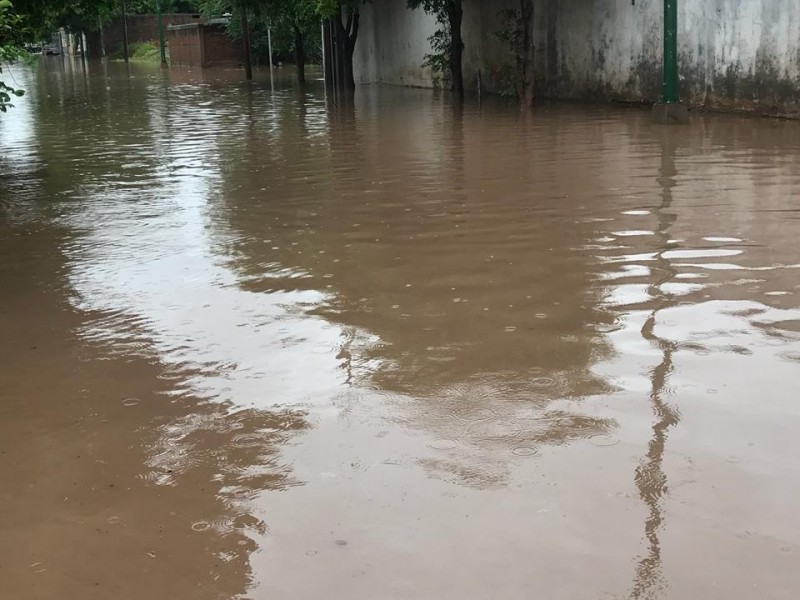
(52, 49)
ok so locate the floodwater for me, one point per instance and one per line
(260, 345)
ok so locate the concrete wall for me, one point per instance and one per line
(742, 54)
(392, 43)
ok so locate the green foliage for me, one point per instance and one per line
(147, 7)
(325, 9)
(439, 58)
(10, 51)
(432, 7)
(145, 52)
(510, 34)
(42, 17)
(282, 16)
(139, 52)
(507, 80)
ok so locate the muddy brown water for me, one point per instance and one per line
(260, 345)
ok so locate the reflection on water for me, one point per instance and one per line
(456, 342)
(651, 480)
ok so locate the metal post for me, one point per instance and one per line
(102, 38)
(124, 31)
(670, 73)
(161, 43)
(248, 66)
(269, 45)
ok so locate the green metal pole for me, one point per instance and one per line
(161, 44)
(670, 89)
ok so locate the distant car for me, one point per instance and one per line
(52, 49)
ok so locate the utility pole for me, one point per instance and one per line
(670, 109)
(161, 44)
(248, 66)
(124, 31)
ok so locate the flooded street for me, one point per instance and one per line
(261, 345)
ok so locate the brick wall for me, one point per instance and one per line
(141, 28)
(184, 47)
(219, 49)
(203, 46)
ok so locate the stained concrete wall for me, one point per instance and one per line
(392, 44)
(742, 54)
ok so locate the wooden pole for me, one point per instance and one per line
(124, 31)
(248, 65)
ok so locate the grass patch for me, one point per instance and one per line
(145, 52)
(140, 52)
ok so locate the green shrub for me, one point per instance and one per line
(144, 52)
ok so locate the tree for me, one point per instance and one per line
(342, 21)
(148, 7)
(449, 13)
(300, 18)
(292, 21)
(32, 21)
(42, 17)
(11, 50)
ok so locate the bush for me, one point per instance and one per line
(139, 52)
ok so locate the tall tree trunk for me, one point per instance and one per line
(456, 15)
(327, 44)
(346, 34)
(299, 56)
(248, 65)
(525, 54)
(350, 48)
(339, 51)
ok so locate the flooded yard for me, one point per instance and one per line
(260, 344)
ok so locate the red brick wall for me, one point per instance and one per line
(141, 28)
(206, 46)
(184, 47)
(220, 49)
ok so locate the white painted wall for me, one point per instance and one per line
(733, 53)
(392, 44)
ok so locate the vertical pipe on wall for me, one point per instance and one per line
(670, 68)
